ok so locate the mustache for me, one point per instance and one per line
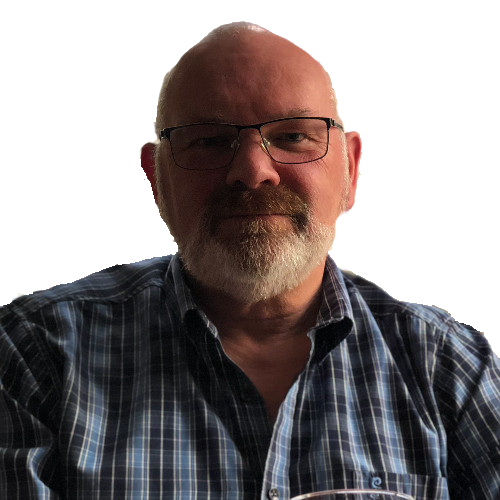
(267, 200)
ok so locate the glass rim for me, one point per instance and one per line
(328, 123)
(165, 133)
(371, 491)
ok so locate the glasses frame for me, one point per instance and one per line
(330, 122)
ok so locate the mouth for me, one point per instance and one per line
(250, 213)
(254, 214)
(245, 224)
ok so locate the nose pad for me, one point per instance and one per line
(264, 144)
(235, 144)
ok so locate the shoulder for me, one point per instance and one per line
(418, 323)
(364, 292)
(116, 284)
(452, 358)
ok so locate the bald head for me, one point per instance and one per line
(245, 60)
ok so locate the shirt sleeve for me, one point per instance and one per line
(29, 406)
(468, 384)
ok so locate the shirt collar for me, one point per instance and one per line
(183, 293)
(335, 306)
(335, 317)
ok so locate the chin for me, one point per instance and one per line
(257, 266)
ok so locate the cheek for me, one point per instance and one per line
(184, 202)
(185, 194)
(322, 188)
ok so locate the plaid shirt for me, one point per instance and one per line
(117, 387)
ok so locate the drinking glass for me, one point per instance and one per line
(355, 494)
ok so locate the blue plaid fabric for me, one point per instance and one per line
(117, 387)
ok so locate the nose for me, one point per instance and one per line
(251, 165)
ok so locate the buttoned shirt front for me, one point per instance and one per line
(117, 386)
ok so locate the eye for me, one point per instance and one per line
(212, 142)
(203, 138)
(291, 140)
(290, 137)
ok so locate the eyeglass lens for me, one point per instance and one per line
(210, 146)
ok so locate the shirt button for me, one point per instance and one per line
(273, 493)
(375, 483)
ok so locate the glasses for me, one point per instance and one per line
(208, 146)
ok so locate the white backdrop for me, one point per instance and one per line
(418, 80)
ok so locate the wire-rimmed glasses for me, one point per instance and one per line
(209, 146)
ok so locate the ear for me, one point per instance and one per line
(148, 165)
(353, 142)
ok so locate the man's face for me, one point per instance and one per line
(255, 221)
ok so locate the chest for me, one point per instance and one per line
(272, 369)
(340, 427)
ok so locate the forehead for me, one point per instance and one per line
(246, 77)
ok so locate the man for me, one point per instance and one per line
(248, 365)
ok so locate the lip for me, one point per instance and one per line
(252, 214)
(253, 217)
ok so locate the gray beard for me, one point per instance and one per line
(259, 262)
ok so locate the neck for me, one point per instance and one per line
(289, 314)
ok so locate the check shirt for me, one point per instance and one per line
(117, 387)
